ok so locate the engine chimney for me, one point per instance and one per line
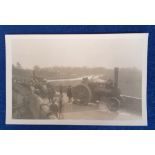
(116, 70)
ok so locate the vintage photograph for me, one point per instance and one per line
(76, 79)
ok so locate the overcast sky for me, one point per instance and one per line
(121, 50)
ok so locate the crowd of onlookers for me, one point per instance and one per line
(50, 95)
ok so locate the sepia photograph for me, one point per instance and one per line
(77, 79)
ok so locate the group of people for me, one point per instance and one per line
(54, 95)
(56, 100)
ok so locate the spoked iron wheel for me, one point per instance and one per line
(113, 104)
(81, 94)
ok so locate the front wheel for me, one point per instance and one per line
(113, 104)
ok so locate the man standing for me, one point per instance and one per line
(60, 101)
(69, 93)
(51, 93)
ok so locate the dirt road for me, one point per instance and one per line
(95, 112)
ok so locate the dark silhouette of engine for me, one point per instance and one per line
(90, 91)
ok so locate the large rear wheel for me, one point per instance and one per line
(81, 94)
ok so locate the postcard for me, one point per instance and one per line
(76, 79)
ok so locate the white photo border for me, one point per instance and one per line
(10, 120)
